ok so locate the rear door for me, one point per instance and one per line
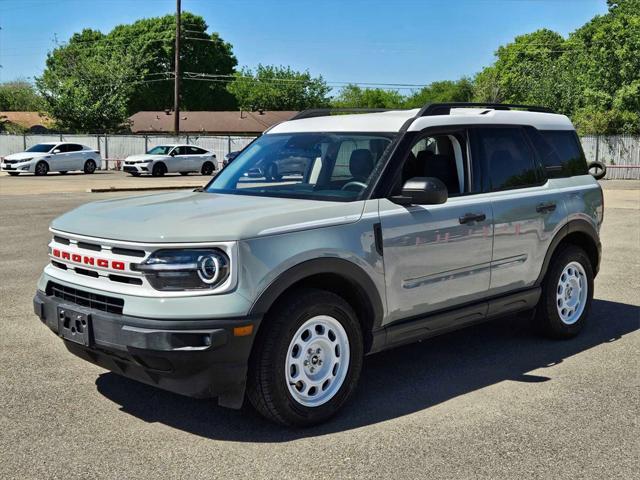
(437, 256)
(76, 156)
(197, 157)
(527, 209)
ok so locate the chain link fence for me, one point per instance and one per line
(621, 153)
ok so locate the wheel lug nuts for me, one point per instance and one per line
(318, 351)
(306, 363)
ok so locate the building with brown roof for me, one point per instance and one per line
(234, 123)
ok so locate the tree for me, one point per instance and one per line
(19, 96)
(443, 91)
(95, 81)
(278, 88)
(88, 89)
(352, 96)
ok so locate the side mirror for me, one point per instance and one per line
(422, 191)
(57, 150)
(173, 153)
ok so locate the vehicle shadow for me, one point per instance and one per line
(393, 383)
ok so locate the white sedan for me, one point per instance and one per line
(183, 159)
(43, 158)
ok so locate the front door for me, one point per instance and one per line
(437, 256)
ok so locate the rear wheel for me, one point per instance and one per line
(159, 169)
(207, 168)
(41, 169)
(567, 293)
(307, 360)
(89, 167)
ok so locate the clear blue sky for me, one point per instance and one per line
(403, 41)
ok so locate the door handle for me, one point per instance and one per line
(546, 207)
(472, 217)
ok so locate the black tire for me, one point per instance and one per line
(159, 169)
(42, 168)
(184, 174)
(13, 174)
(548, 317)
(267, 387)
(207, 168)
(272, 173)
(64, 172)
(89, 167)
(598, 170)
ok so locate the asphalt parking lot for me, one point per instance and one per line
(492, 401)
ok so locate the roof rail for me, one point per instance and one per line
(326, 112)
(445, 108)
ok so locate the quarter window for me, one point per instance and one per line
(507, 158)
(561, 154)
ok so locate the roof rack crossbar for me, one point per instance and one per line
(445, 108)
(326, 112)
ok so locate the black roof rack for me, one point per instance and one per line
(445, 108)
(325, 112)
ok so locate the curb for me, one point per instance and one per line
(141, 189)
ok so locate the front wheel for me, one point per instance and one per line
(89, 167)
(158, 170)
(307, 359)
(41, 169)
(567, 293)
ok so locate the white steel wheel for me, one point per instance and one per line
(317, 361)
(571, 293)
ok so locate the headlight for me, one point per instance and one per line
(25, 160)
(176, 270)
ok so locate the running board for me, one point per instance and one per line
(407, 331)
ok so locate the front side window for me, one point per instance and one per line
(318, 166)
(160, 150)
(40, 148)
(508, 160)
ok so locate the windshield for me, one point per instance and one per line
(160, 150)
(318, 166)
(40, 148)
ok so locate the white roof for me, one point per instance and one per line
(392, 121)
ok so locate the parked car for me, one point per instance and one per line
(286, 163)
(404, 225)
(43, 158)
(183, 159)
(229, 157)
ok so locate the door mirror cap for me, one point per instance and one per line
(57, 150)
(422, 191)
(173, 153)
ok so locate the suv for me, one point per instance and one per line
(404, 225)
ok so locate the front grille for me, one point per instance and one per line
(85, 299)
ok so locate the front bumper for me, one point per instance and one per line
(15, 167)
(136, 168)
(197, 358)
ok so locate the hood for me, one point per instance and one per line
(202, 217)
(144, 156)
(24, 155)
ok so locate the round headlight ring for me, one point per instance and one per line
(209, 268)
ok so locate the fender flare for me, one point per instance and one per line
(337, 266)
(573, 226)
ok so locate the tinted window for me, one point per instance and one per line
(195, 151)
(561, 153)
(160, 150)
(40, 148)
(181, 151)
(508, 160)
(73, 147)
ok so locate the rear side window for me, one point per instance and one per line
(508, 161)
(561, 153)
(74, 147)
(195, 151)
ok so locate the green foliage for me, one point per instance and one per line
(278, 88)
(88, 89)
(96, 81)
(444, 91)
(352, 96)
(19, 96)
(593, 75)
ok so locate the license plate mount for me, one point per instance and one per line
(75, 326)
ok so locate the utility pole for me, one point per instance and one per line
(176, 80)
